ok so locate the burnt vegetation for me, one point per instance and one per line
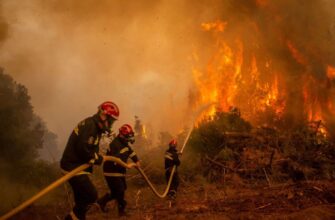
(230, 145)
(233, 170)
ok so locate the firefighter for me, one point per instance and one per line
(83, 147)
(172, 159)
(115, 174)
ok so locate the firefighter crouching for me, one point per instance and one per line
(115, 174)
(171, 159)
(83, 147)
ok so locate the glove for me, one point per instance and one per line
(91, 162)
(131, 165)
(99, 160)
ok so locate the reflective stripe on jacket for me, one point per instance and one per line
(83, 144)
(120, 149)
(171, 158)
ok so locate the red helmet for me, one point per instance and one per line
(173, 143)
(126, 129)
(126, 132)
(110, 108)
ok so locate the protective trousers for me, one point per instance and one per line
(84, 193)
(117, 187)
(174, 184)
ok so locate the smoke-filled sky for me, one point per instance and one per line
(74, 54)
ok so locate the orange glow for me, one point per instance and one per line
(331, 107)
(296, 54)
(313, 109)
(215, 26)
(262, 2)
(323, 132)
(222, 81)
(144, 132)
(237, 75)
(331, 72)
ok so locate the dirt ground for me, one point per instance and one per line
(304, 200)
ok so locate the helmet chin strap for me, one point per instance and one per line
(130, 140)
(106, 121)
(104, 125)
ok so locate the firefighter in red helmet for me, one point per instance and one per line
(83, 147)
(115, 174)
(172, 159)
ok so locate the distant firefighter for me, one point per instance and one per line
(83, 147)
(171, 159)
(115, 174)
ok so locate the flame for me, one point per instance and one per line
(144, 132)
(238, 75)
(262, 3)
(331, 72)
(299, 57)
(218, 26)
(313, 108)
(222, 80)
(316, 116)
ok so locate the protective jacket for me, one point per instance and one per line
(171, 158)
(83, 145)
(120, 149)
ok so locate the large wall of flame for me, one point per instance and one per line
(73, 54)
(287, 43)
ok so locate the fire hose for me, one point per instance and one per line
(171, 175)
(57, 183)
(85, 166)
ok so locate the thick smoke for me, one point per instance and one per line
(3, 26)
(72, 55)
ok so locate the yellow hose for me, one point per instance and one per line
(85, 166)
(57, 183)
(173, 169)
(153, 188)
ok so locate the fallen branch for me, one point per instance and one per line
(267, 177)
(264, 206)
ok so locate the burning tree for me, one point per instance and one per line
(274, 63)
(228, 145)
(141, 135)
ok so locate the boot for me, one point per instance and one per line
(172, 195)
(102, 202)
(121, 208)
